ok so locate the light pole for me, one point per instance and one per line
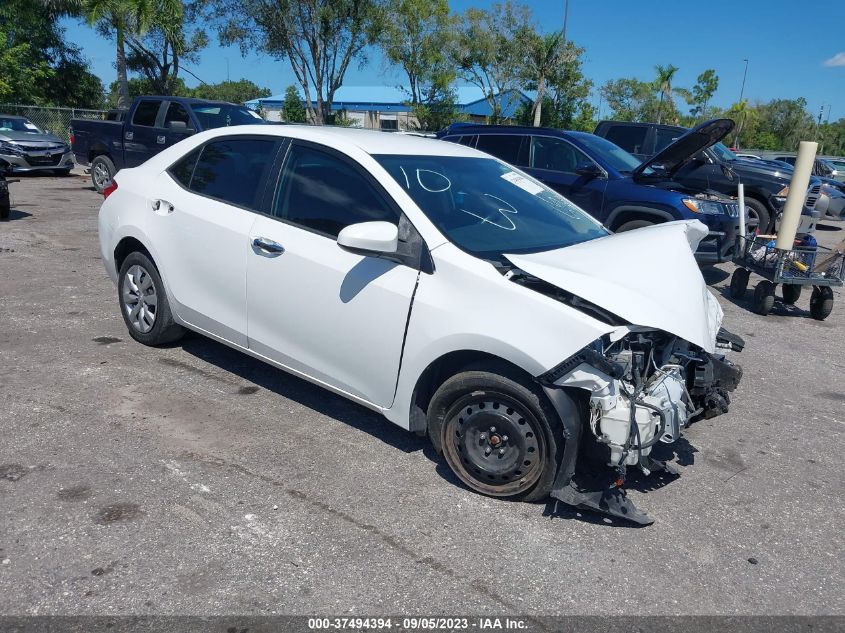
(741, 93)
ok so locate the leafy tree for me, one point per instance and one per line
(37, 65)
(418, 37)
(320, 38)
(490, 51)
(629, 99)
(231, 91)
(292, 107)
(437, 114)
(570, 90)
(705, 87)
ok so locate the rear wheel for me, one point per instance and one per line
(498, 434)
(102, 172)
(791, 293)
(143, 302)
(821, 303)
(633, 224)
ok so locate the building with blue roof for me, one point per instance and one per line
(385, 107)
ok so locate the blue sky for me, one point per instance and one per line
(787, 47)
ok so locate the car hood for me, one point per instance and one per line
(648, 277)
(676, 154)
(12, 135)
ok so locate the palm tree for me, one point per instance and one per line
(544, 53)
(663, 83)
(122, 18)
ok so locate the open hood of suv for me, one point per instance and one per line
(676, 154)
(648, 277)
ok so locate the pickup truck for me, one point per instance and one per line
(150, 125)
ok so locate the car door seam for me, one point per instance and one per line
(404, 339)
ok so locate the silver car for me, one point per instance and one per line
(27, 148)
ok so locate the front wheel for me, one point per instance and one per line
(758, 216)
(498, 433)
(143, 302)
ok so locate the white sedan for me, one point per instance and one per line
(435, 284)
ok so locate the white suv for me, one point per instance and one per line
(435, 284)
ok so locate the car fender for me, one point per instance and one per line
(467, 305)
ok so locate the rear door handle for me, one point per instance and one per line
(160, 140)
(130, 136)
(266, 247)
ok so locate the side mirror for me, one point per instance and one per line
(588, 170)
(370, 238)
(180, 127)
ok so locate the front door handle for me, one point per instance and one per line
(161, 140)
(266, 247)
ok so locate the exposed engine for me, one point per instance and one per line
(645, 388)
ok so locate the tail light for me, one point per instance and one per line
(110, 189)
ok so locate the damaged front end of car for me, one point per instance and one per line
(660, 365)
(644, 387)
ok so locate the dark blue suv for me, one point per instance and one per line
(609, 183)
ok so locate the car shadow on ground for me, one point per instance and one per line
(713, 275)
(829, 227)
(299, 390)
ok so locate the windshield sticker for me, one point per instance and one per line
(29, 126)
(510, 226)
(522, 182)
(255, 114)
(435, 183)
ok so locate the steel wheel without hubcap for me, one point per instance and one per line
(139, 298)
(494, 444)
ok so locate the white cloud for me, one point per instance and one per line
(836, 60)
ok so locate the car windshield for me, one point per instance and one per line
(212, 115)
(723, 153)
(612, 154)
(486, 208)
(18, 125)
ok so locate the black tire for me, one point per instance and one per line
(739, 283)
(633, 224)
(519, 457)
(764, 297)
(102, 172)
(821, 303)
(162, 328)
(758, 213)
(791, 293)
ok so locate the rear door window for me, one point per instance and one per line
(504, 146)
(234, 170)
(555, 154)
(177, 112)
(146, 113)
(629, 137)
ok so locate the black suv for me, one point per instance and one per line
(715, 169)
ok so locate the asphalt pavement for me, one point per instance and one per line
(192, 479)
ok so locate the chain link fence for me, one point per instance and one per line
(56, 120)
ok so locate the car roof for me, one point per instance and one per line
(370, 141)
(13, 116)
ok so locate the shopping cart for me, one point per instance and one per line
(804, 265)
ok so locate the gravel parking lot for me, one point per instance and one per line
(195, 480)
